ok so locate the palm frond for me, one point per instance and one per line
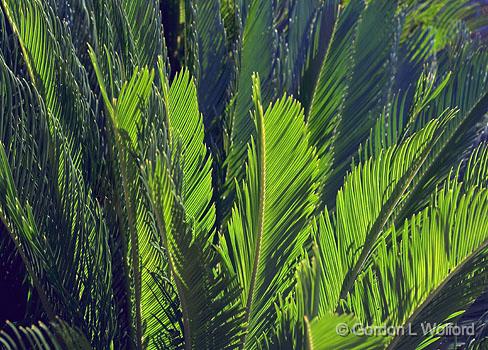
(369, 87)
(145, 30)
(296, 38)
(212, 315)
(398, 120)
(185, 127)
(317, 41)
(471, 77)
(215, 67)
(140, 236)
(258, 40)
(332, 86)
(57, 223)
(439, 18)
(364, 206)
(58, 75)
(267, 228)
(434, 237)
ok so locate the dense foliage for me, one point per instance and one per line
(242, 174)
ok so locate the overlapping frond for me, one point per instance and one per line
(440, 18)
(274, 204)
(144, 258)
(58, 75)
(106, 189)
(145, 30)
(400, 117)
(466, 90)
(296, 39)
(369, 85)
(215, 68)
(332, 86)
(317, 41)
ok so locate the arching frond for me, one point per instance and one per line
(466, 90)
(58, 75)
(401, 280)
(139, 236)
(296, 38)
(214, 63)
(59, 229)
(212, 315)
(332, 86)
(371, 194)
(317, 41)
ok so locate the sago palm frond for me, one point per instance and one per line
(157, 195)
(274, 204)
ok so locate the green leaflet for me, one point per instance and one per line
(362, 87)
(144, 26)
(332, 86)
(64, 207)
(470, 76)
(214, 62)
(143, 258)
(60, 78)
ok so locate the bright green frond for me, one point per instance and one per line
(133, 97)
(186, 130)
(140, 236)
(399, 118)
(274, 204)
(431, 268)
(371, 195)
(212, 315)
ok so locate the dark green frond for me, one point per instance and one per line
(258, 41)
(56, 335)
